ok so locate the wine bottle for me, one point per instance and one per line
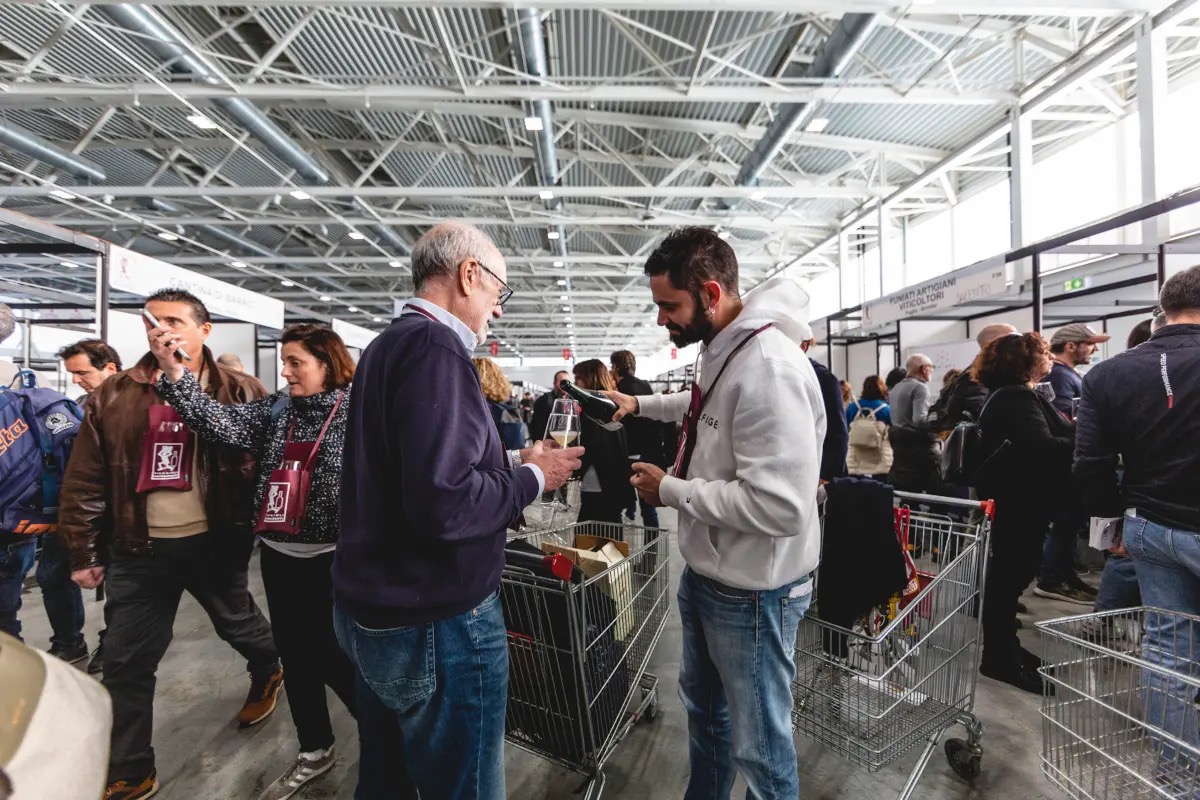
(598, 408)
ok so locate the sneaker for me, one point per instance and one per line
(307, 767)
(123, 790)
(1061, 591)
(1076, 583)
(71, 655)
(96, 663)
(260, 702)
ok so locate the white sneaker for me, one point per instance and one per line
(306, 767)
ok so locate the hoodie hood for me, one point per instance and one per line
(780, 301)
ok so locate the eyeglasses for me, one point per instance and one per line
(505, 291)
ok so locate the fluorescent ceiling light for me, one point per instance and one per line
(552, 235)
(353, 309)
(723, 235)
(393, 263)
(559, 264)
(376, 319)
(533, 123)
(759, 195)
(546, 194)
(238, 264)
(819, 124)
(286, 282)
(325, 298)
(300, 194)
(61, 194)
(168, 236)
(570, 324)
(201, 121)
(68, 264)
(562, 297)
(566, 308)
(357, 235)
(560, 281)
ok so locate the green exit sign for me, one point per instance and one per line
(1075, 284)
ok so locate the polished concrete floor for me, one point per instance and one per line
(203, 756)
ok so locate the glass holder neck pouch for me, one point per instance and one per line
(687, 431)
(285, 501)
(168, 452)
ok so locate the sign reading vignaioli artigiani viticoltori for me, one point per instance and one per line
(980, 280)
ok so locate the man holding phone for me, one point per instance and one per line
(153, 511)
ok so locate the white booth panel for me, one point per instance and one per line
(945, 357)
(1021, 319)
(238, 338)
(862, 362)
(269, 367)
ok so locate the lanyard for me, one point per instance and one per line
(422, 312)
(687, 433)
(312, 454)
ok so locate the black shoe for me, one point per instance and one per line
(1066, 593)
(1018, 674)
(96, 663)
(71, 655)
(1030, 660)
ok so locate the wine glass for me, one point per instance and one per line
(564, 429)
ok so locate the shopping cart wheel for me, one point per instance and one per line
(964, 760)
(651, 712)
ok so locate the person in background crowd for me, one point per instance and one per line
(649, 442)
(427, 494)
(232, 361)
(847, 394)
(195, 537)
(1140, 333)
(1139, 408)
(894, 377)
(1072, 346)
(90, 362)
(498, 392)
(910, 398)
(872, 409)
(745, 485)
(604, 489)
(837, 435)
(527, 408)
(543, 406)
(1028, 446)
(967, 396)
(60, 595)
(950, 377)
(295, 566)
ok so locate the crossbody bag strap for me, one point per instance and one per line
(312, 455)
(749, 337)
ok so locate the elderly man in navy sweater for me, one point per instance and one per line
(427, 493)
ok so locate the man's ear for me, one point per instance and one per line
(711, 293)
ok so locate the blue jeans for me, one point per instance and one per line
(15, 562)
(431, 702)
(63, 599)
(1168, 570)
(1062, 539)
(1118, 585)
(735, 680)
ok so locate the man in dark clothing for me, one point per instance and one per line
(649, 442)
(544, 404)
(428, 492)
(837, 432)
(1140, 408)
(966, 395)
(1072, 346)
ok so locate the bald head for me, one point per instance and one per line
(991, 333)
(438, 254)
(919, 366)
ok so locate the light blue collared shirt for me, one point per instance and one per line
(467, 336)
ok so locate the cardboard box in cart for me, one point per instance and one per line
(595, 555)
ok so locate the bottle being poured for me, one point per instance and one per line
(598, 408)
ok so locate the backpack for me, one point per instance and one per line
(962, 453)
(37, 431)
(866, 431)
(513, 433)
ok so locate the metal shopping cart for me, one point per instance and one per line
(578, 650)
(1122, 719)
(909, 672)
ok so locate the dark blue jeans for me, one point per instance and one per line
(63, 599)
(1058, 556)
(1118, 585)
(15, 562)
(735, 680)
(431, 703)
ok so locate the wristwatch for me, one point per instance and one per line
(514, 458)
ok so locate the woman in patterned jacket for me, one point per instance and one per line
(295, 567)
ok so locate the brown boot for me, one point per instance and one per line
(260, 703)
(124, 790)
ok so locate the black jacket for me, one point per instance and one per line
(541, 415)
(1035, 467)
(837, 433)
(652, 441)
(964, 402)
(1144, 406)
(607, 452)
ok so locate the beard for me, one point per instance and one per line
(481, 335)
(698, 329)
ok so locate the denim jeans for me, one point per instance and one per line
(431, 704)
(1062, 539)
(16, 560)
(735, 681)
(1168, 570)
(1118, 585)
(63, 599)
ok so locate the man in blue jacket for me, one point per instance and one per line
(427, 494)
(1142, 406)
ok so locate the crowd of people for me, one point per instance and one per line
(381, 494)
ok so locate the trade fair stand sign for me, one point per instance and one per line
(961, 287)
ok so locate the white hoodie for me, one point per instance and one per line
(748, 508)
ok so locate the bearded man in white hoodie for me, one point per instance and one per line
(745, 486)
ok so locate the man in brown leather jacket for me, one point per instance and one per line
(151, 546)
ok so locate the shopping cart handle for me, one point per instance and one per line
(989, 508)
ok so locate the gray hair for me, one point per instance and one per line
(439, 252)
(8, 322)
(230, 360)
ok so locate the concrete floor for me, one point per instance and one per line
(202, 754)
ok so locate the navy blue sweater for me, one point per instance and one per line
(837, 432)
(427, 492)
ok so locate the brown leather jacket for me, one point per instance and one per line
(100, 508)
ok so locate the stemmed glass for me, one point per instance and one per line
(564, 429)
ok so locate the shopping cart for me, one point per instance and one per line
(578, 650)
(909, 672)
(1122, 719)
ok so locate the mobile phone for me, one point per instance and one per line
(179, 351)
